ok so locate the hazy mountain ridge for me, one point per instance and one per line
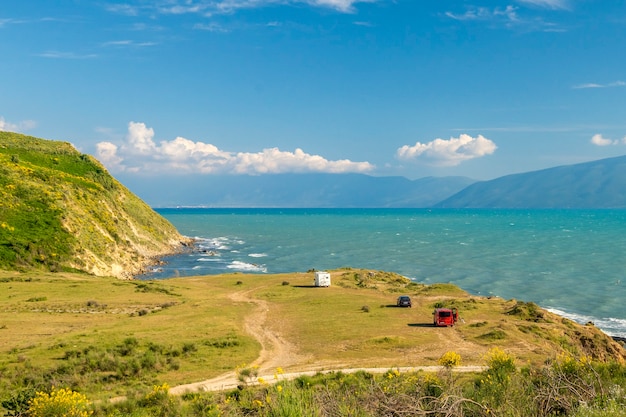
(60, 209)
(597, 184)
(296, 190)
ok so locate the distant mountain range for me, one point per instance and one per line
(597, 184)
(296, 190)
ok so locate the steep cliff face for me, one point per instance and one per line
(61, 210)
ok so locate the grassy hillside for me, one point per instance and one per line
(61, 210)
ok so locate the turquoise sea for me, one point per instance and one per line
(569, 261)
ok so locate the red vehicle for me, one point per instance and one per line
(444, 317)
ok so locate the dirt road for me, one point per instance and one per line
(278, 352)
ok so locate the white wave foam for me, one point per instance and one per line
(221, 243)
(257, 255)
(579, 318)
(609, 325)
(244, 266)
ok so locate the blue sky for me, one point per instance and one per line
(384, 87)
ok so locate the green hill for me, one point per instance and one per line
(61, 210)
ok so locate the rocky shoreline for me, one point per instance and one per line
(620, 340)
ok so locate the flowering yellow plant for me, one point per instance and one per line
(498, 359)
(450, 359)
(62, 402)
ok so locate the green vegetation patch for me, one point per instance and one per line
(496, 334)
(528, 311)
(442, 289)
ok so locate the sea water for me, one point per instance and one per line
(568, 261)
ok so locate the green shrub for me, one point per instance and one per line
(496, 334)
(18, 403)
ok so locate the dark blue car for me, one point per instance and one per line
(404, 301)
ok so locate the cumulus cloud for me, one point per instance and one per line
(451, 152)
(22, 126)
(600, 140)
(140, 152)
(107, 153)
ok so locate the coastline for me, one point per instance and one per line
(501, 253)
(180, 245)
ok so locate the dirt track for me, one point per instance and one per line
(278, 352)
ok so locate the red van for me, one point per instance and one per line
(443, 317)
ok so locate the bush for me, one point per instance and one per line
(500, 363)
(494, 388)
(450, 359)
(62, 402)
(18, 403)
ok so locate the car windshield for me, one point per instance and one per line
(444, 314)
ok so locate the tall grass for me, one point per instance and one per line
(568, 386)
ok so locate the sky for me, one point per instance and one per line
(414, 88)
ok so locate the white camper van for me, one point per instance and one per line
(322, 279)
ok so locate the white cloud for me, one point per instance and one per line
(65, 55)
(124, 9)
(139, 152)
(210, 7)
(512, 17)
(211, 27)
(341, 5)
(548, 4)
(128, 43)
(509, 13)
(451, 152)
(595, 85)
(107, 153)
(22, 126)
(140, 139)
(600, 140)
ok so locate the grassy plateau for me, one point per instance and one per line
(106, 338)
